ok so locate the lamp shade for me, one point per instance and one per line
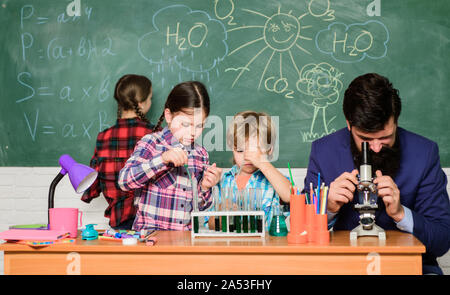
(81, 176)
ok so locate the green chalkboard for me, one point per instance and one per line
(290, 58)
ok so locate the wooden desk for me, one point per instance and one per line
(175, 253)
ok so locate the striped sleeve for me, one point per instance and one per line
(144, 164)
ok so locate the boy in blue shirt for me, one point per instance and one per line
(251, 136)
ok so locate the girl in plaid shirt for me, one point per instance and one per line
(114, 146)
(157, 165)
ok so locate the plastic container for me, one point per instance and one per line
(322, 235)
(298, 234)
(310, 221)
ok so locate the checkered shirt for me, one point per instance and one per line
(165, 198)
(113, 148)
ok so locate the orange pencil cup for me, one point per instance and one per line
(322, 235)
(310, 221)
(297, 233)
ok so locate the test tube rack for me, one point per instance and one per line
(204, 232)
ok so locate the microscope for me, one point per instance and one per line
(367, 205)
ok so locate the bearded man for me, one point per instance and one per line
(411, 184)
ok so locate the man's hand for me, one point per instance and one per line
(341, 190)
(389, 192)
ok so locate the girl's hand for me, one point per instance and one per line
(176, 156)
(211, 177)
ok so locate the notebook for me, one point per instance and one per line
(32, 234)
(29, 226)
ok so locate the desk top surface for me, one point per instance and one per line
(181, 242)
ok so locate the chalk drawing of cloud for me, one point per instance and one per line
(354, 42)
(189, 38)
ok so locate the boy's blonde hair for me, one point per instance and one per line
(249, 124)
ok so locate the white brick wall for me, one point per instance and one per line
(24, 199)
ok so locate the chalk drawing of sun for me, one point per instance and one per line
(281, 33)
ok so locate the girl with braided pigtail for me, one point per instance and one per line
(114, 146)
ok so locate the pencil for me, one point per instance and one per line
(318, 180)
(324, 210)
(322, 199)
(292, 179)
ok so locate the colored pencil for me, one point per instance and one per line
(318, 193)
(325, 200)
(318, 181)
(290, 174)
(292, 179)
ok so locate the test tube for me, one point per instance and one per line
(195, 202)
(231, 202)
(252, 197)
(216, 199)
(245, 208)
(259, 219)
(237, 218)
(225, 200)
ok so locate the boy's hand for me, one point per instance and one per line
(177, 156)
(255, 157)
(211, 177)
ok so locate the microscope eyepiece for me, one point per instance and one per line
(365, 170)
(365, 153)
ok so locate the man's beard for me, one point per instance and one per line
(387, 160)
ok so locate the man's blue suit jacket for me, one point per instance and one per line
(420, 179)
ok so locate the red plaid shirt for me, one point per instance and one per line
(113, 148)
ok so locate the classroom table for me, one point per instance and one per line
(176, 253)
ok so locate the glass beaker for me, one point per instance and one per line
(278, 226)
